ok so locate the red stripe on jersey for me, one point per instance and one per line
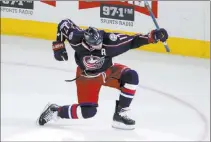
(128, 91)
(74, 112)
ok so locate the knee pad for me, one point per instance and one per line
(88, 111)
(130, 77)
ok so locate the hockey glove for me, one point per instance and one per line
(158, 35)
(60, 53)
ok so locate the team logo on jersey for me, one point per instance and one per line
(113, 37)
(93, 62)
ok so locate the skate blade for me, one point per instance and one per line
(122, 126)
(46, 107)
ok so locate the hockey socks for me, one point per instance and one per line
(77, 111)
(127, 94)
(130, 81)
(70, 111)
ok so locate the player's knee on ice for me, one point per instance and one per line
(130, 77)
(88, 111)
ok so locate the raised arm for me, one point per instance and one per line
(117, 43)
(66, 30)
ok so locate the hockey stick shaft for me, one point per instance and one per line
(155, 22)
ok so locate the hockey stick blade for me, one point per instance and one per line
(69, 80)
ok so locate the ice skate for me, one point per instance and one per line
(50, 113)
(121, 120)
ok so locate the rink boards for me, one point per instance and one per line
(188, 29)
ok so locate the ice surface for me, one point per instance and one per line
(30, 78)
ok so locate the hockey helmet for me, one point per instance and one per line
(94, 37)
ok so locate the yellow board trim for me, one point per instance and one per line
(44, 30)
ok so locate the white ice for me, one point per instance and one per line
(30, 78)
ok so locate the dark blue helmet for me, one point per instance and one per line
(93, 37)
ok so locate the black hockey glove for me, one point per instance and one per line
(60, 53)
(158, 35)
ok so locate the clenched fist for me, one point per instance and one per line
(60, 53)
(158, 35)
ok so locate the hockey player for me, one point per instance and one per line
(94, 50)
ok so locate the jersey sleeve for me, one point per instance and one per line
(67, 30)
(117, 43)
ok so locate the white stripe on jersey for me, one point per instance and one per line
(143, 36)
(75, 44)
(123, 38)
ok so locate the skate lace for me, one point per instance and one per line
(125, 113)
(49, 115)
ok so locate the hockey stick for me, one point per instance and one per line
(71, 80)
(155, 22)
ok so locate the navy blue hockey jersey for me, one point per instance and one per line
(96, 61)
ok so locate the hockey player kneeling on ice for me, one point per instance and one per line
(94, 50)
